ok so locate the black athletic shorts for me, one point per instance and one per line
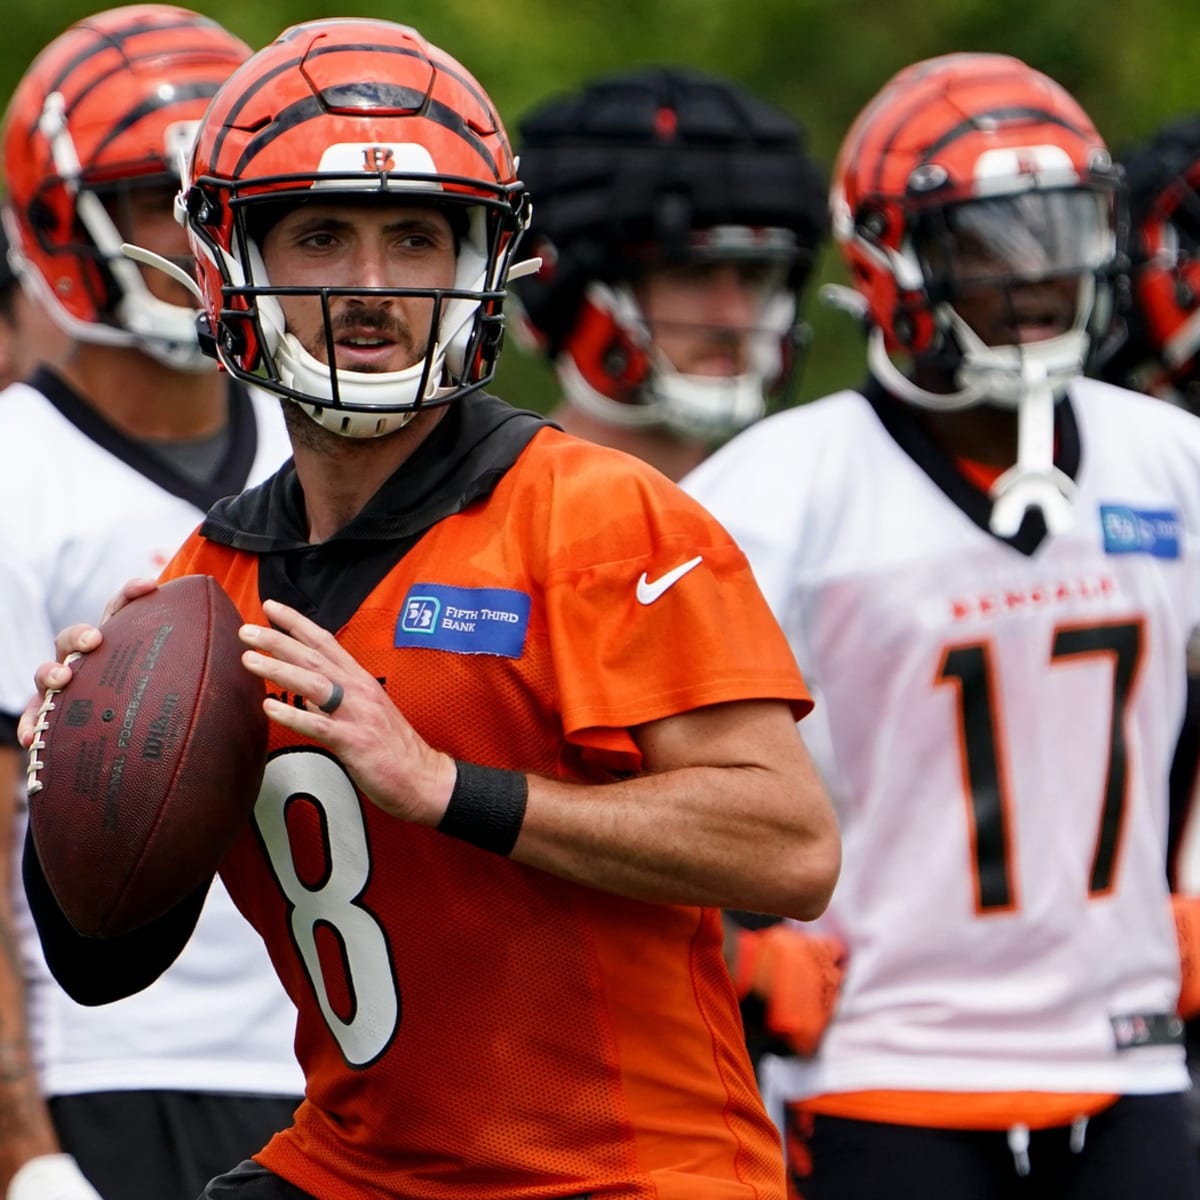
(1137, 1149)
(249, 1181)
(252, 1182)
(164, 1145)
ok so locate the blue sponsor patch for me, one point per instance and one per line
(1140, 530)
(464, 620)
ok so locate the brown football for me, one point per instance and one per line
(148, 763)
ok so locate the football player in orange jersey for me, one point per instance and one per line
(533, 724)
(677, 218)
(986, 563)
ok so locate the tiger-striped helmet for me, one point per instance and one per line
(109, 106)
(1163, 349)
(973, 171)
(361, 111)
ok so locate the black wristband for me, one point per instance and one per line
(486, 807)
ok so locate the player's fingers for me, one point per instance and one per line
(75, 639)
(305, 644)
(49, 676)
(304, 630)
(27, 723)
(131, 590)
(284, 648)
(298, 720)
(310, 684)
(314, 722)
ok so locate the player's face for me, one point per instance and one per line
(701, 314)
(1012, 266)
(343, 245)
(1017, 313)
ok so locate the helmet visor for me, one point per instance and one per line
(1027, 237)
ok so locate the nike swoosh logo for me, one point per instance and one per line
(648, 592)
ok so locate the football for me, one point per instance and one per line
(148, 763)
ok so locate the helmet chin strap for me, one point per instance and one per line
(1033, 481)
(706, 407)
(700, 407)
(899, 384)
(999, 374)
(1031, 377)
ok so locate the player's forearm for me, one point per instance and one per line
(728, 812)
(751, 836)
(727, 837)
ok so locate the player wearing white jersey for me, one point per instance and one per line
(148, 1097)
(115, 511)
(989, 568)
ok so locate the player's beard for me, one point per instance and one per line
(307, 434)
(304, 432)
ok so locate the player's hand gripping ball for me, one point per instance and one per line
(147, 764)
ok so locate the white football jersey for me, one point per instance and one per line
(995, 722)
(86, 510)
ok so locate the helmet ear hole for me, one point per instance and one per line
(203, 206)
(872, 223)
(232, 337)
(615, 359)
(41, 216)
(903, 329)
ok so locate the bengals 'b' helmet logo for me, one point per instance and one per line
(110, 104)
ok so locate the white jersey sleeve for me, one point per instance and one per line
(24, 630)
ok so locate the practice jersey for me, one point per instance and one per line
(995, 722)
(88, 509)
(470, 1026)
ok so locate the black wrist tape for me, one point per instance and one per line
(486, 807)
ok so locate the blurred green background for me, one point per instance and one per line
(1131, 65)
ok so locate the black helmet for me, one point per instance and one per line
(635, 169)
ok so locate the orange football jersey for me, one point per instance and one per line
(470, 1026)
